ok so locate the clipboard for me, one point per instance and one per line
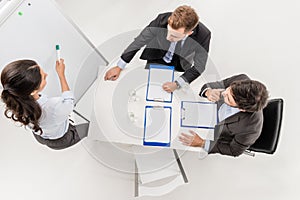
(157, 76)
(198, 114)
(157, 126)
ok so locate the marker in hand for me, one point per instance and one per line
(57, 47)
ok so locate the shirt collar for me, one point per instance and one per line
(43, 99)
(184, 38)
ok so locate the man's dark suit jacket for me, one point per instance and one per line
(193, 52)
(238, 132)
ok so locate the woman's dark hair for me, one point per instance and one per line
(249, 95)
(19, 79)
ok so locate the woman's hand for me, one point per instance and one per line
(60, 68)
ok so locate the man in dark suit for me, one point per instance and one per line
(240, 115)
(175, 39)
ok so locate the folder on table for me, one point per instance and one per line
(158, 75)
(199, 114)
(157, 126)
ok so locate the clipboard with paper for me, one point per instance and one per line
(157, 126)
(158, 75)
(198, 114)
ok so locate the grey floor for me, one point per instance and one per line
(260, 38)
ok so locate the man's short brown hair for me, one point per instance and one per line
(249, 95)
(183, 17)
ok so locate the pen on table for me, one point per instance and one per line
(57, 47)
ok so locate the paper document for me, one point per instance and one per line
(158, 75)
(199, 114)
(157, 126)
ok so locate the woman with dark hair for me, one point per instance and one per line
(22, 82)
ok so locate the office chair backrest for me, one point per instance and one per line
(268, 140)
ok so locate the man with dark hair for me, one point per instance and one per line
(240, 102)
(175, 39)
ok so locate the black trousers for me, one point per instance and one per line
(70, 138)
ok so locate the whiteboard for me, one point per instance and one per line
(33, 29)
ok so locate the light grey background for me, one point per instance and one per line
(260, 38)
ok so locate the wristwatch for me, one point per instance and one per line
(178, 86)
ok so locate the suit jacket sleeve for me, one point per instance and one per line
(147, 34)
(223, 84)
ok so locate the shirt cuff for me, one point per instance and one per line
(203, 92)
(206, 145)
(181, 82)
(121, 63)
(68, 95)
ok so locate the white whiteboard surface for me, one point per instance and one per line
(33, 29)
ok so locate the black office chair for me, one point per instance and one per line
(268, 140)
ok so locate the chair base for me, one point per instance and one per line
(249, 153)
